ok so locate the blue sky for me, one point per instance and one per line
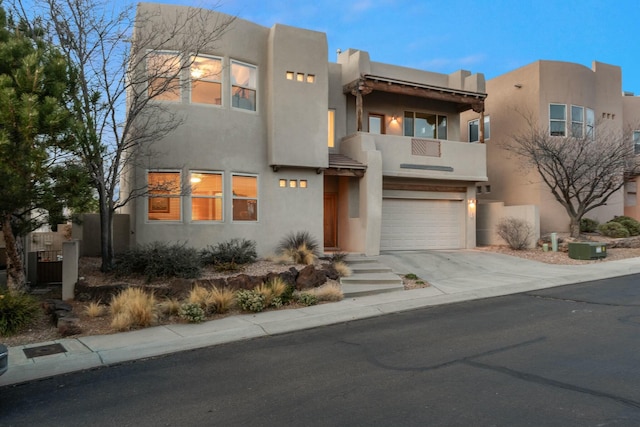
(485, 36)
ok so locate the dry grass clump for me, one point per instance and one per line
(133, 307)
(342, 268)
(94, 309)
(200, 296)
(169, 307)
(222, 300)
(327, 292)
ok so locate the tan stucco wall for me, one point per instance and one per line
(525, 94)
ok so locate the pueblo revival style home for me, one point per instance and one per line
(363, 155)
(568, 99)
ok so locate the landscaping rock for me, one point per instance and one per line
(331, 272)
(104, 293)
(69, 326)
(243, 281)
(309, 277)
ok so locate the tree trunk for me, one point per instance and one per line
(106, 233)
(16, 277)
(574, 227)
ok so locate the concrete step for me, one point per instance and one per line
(361, 290)
(369, 267)
(358, 259)
(372, 279)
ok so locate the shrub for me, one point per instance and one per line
(328, 292)
(613, 229)
(632, 226)
(338, 257)
(307, 298)
(170, 307)
(516, 232)
(588, 225)
(342, 269)
(160, 259)
(411, 276)
(272, 292)
(234, 251)
(200, 296)
(133, 307)
(221, 299)
(17, 311)
(94, 309)
(250, 300)
(300, 247)
(192, 312)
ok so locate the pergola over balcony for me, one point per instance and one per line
(463, 100)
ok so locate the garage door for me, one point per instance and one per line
(409, 224)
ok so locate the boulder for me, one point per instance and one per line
(309, 277)
(69, 326)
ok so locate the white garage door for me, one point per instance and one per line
(409, 224)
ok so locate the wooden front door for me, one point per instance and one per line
(330, 220)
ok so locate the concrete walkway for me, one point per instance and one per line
(454, 276)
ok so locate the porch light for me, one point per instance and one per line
(394, 119)
(472, 203)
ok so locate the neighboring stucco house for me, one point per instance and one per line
(363, 155)
(563, 97)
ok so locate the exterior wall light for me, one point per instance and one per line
(472, 203)
(283, 183)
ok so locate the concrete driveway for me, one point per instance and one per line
(454, 271)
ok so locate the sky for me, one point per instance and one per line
(483, 36)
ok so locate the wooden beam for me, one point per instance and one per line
(423, 187)
(344, 172)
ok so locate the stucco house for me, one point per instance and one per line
(363, 155)
(565, 98)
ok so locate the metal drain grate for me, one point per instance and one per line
(44, 350)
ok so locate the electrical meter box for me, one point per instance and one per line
(587, 250)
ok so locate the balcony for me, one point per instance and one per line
(423, 158)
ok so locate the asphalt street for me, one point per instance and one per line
(567, 356)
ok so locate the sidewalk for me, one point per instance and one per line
(454, 276)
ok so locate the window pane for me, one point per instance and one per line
(167, 186)
(487, 127)
(577, 114)
(332, 128)
(408, 123)
(576, 129)
(425, 125)
(557, 112)
(442, 127)
(206, 92)
(245, 210)
(243, 98)
(206, 209)
(206, 184)
(163, 70)
(557, 128)
(164, 183)
(206, 69)
(245, 186)
(375, 124)
(243, 75)
(474, 131)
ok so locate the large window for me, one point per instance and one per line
(474, 129)
(164, 196)
(376, 123)
(206, 196)
(425, 125)
(163, 71)
(245, 197)
(206, 80)
(558, 119)
(244, 79)
(590, 123)
(636, 141)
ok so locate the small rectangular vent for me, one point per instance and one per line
(425, 147)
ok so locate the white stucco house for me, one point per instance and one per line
(363, 155)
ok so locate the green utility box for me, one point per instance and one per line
(587, 250)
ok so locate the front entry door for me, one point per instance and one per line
(330, 220)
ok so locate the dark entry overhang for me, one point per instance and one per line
(342, 165)
(464, 100)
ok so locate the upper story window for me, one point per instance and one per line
(558, 119)
(206, 80)
(206, 196)
(164, 196)
(590, 123)
(331, 140)
(245, 197)
(474, 129)
(163, 73)
(244, 78)
(376, 123)
(577, 121)
(636, 141)
(425, 125)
